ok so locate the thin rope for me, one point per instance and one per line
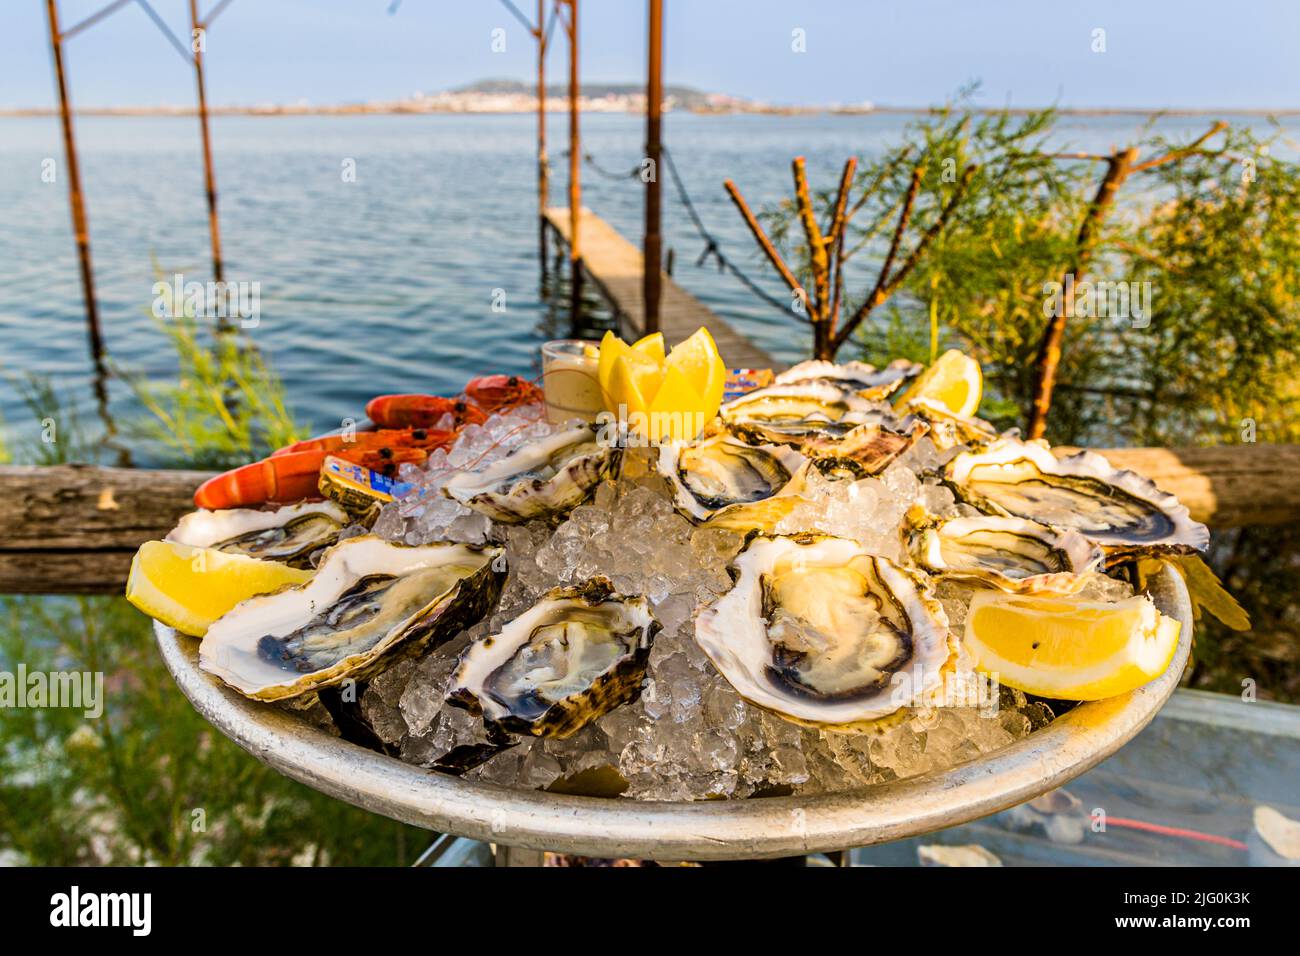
(528, 24)
(711, 247)
(161, 24)
(591, 161)
(93, 19)
(215, 12)
(550, 28)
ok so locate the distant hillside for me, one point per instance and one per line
(686, 97)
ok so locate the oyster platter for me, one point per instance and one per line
(670, 581)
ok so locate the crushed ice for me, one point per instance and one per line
(689, 735)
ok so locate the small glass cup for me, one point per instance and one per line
(571, 380)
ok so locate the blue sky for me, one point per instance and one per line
(1159, 53)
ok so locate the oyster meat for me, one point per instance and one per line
(865, 380)
(575, 655)
(815, 628)
(1120, 510)
(545, 478)
(1014, 554)
(368, 599)
(722, 476)
(290, 534)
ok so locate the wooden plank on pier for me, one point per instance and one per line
(615, 266)
(72, 529)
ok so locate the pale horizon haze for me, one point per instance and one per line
(1159, 54)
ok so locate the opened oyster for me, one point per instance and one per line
(867, 449)
(545, 478)
(290, 534)
(948, 429)
(722, 477)
(823, 420)
(865, 380)
(572, 657)
(367, 599)
(1013, 554)
(794, 414)
(1120, 510)
(816, 629)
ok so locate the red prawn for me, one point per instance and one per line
(421, 411)
(494, 393)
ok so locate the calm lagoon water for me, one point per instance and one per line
(386, 283)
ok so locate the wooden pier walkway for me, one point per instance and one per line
(614, 265)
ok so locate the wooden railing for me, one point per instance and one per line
(73, 528)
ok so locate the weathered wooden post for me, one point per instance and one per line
(543, 174)
(575, 170)
(80, 228)
(198, 40)
(652, 246)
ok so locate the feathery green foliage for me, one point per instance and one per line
(226, 405)
(150, 781)
(1215, 232)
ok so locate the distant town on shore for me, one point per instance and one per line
(514, 96)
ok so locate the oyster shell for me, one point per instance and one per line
(544, 478)
(815, 628)
(822, 420)
(950, 430)
(573, 656)
(865, 380)
(1120, 510)
(793, 414)
(867, 449)
(722, 476)
(368, 599)
(290, 534)
(1013, 554)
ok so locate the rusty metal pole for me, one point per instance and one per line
(575, 169)
(652, 247)
(80, 229)
(210, 177)
(543, 173)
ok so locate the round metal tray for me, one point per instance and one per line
(706, 830)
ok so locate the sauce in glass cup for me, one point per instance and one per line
(570, 380)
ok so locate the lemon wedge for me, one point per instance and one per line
(698, 359)
(1069, 648)
(636, 380)
(611, 347)
(954, 380)
(651, 345)
(677, 393)
(620, 391)
(678, 412)
(640, 368)
(188, 588)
